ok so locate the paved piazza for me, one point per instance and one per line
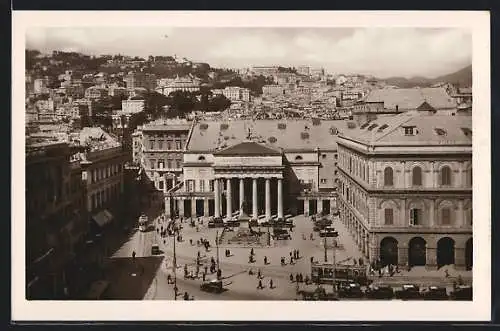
(152, 277)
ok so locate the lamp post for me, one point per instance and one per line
(174, 264)
(217, 245)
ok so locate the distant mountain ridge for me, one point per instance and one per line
(461, 78)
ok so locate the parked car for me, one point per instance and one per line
(155, 249)
(435, 293)
(213, 223)
(380, 292)
(350, 290)
(409, 292)
(279, 234)
(328, 232)
(213, 286)
(462, 292)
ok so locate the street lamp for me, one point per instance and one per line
(217, 245)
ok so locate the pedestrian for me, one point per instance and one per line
(260, 285)
(446, 274)
(307, 280)
(251, 251)
(259, 274)
(265, 259)
(169, 279)
(290, 254)
(204, 275)
(311, 236)
(206, 268)
(133, 255)
(291, 260)
(297, 278)
(271, 285)
(199, 254)
(291, 278)
(312, 259)
(191, 242)
(186, 296)
(298, 254)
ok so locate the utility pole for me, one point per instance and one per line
(334, 247)
(326, 254)
(217, 245)
(174, 267)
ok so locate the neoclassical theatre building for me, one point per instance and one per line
(405, 189)
(257, 169)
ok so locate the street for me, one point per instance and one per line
(150, 282)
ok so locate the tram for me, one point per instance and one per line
(322, 273)
(143, 223)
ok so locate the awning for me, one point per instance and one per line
(102, 218)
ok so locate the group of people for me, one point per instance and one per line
(299, 278)
(260, 286)
(376, 266)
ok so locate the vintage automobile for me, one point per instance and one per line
(350, 290)
(281, 234)
(408, 292)
(329, 232)
(319, 294)
(380, 292)
(155, 249)
(213, 286)
(435, 293)
(462, 292)
(215, 223)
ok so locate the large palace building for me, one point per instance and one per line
(258, 169)
(405, 190)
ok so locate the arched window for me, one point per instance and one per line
(445, 175)
(388, 177)
(201, 158)
(416, 176)
(298, 158)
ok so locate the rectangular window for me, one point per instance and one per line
(445, 216)
(151, 144)
(160, 164)
(153, 164)
(415, 216)
(202, 185)
(169, 164)
(160, 185)
(169, 145)
(211, 185)
(160, 144)
(178, 144)
(389, 216)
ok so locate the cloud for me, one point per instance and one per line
(381, 52)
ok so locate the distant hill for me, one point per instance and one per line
(462, 78)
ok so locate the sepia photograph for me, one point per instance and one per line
(251, 163)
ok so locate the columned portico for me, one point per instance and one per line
(242, 194)
(229, 199)
(280, 198)
(217, 198)
(268, 199)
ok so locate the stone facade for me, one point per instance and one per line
(408, 208)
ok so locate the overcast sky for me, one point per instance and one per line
(382, 52)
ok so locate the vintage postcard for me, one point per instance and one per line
(233, 165)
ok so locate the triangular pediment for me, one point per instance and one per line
(248, 148)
